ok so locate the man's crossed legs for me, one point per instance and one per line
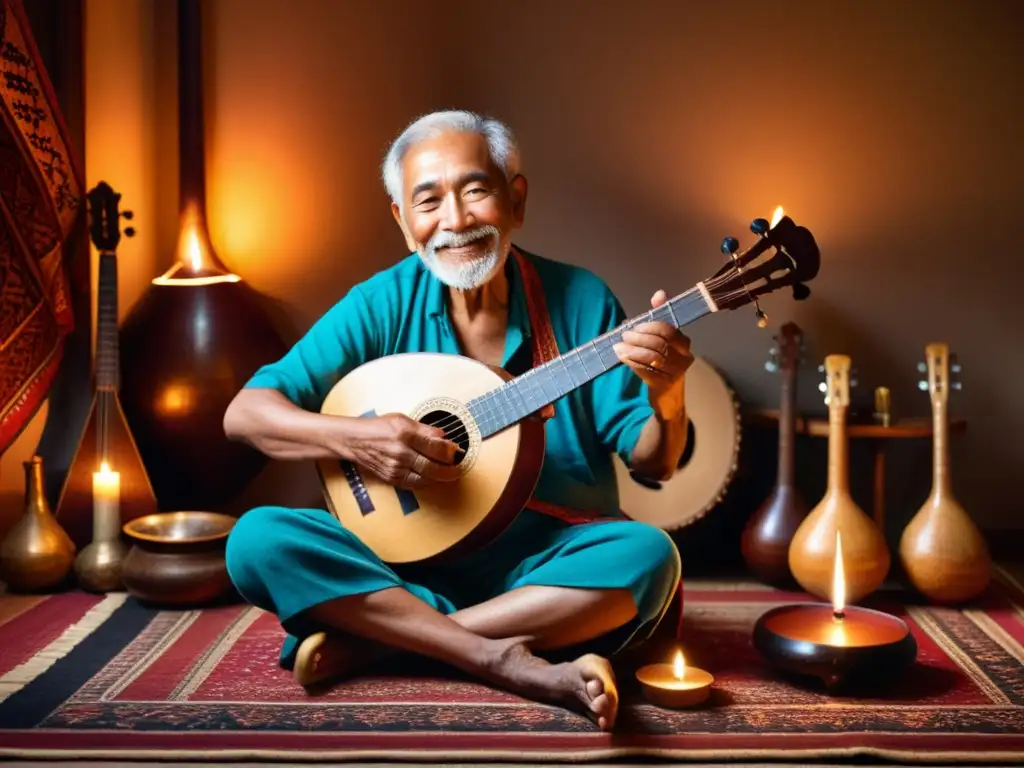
(543, 586)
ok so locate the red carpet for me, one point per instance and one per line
(107, 678)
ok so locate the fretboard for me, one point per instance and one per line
(107, 355)
(526, 394)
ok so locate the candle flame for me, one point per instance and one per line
(196, 263)
(105, 467)
(192, 253)
(679, 666)
(838, 578)
(777, 216)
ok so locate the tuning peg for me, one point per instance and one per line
(922, 367)
(800, 291)
(730, 245)
(129, 231)
(771, 366)
(128, 215)
(957, 385)
(954, 364)
(759, 227)
(922, 385)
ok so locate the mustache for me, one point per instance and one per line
(445, 239)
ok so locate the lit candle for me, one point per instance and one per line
(838, 634)
(106, 503)
(675, 685)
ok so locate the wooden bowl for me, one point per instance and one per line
(177, 558)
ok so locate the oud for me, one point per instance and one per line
(106, 443)
(492, 416)
(812, 552)
(942, 552)
(766, 536)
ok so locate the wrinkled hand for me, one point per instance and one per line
(401, 451)
(660, 355)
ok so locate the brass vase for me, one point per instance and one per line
(37, 554)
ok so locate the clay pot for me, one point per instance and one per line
(177, 558)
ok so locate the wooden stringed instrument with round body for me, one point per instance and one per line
(494, 416)
(941, 550)
(812, 552)
(765, 541)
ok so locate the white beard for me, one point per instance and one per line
(468, 274)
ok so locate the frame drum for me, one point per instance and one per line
(707, 465)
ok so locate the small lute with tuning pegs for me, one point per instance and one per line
(766, 537)
(943, 554)
(812, 553)
(106, 440)
(493, 416)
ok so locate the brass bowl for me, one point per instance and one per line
(177, 558)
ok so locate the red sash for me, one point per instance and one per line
(545, 348)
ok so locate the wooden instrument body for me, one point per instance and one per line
(766, 537)
(943, 554)
(447, 519)
(75, 504)
(812, 553)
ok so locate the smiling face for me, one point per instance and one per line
(459, 210)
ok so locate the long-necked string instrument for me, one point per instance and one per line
(764, 543)
(943, 554)
(106, 445)
(493, 416)
(812, 553)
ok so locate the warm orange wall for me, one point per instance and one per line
(650, 131)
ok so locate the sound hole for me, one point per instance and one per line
(691, 444)
(454, 429)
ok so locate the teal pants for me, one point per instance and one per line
(286, 561)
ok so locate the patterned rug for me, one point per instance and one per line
(105, 677)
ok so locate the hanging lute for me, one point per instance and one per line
(106, 441)
(492, 416)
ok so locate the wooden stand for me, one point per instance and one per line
(876, 435)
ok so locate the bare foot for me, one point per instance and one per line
(585, 685)
(322, 657)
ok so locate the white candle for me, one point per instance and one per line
(106, 503)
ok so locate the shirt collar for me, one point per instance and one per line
(518, 314)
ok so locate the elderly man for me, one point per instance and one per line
(552, 586)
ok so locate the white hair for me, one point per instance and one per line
(501, 144)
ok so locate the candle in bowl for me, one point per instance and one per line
(675, 685)
(843, 646)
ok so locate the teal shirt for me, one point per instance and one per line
(403, 309)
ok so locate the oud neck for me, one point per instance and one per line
(942, 484)
(107, 353)
(787, 428)
(838, 461)
(518, 398)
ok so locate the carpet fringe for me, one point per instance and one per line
(25, 673)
